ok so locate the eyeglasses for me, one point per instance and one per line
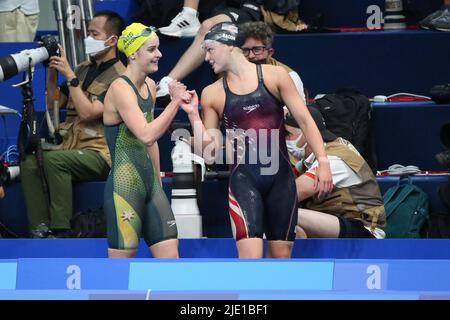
(147, 31)
(256, 50)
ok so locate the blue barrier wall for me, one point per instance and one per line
(409, 133)
(396, 249)
(80, 278)
(372, 62)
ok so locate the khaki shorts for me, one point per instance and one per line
(18, 27)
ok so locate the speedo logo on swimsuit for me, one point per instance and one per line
(251, 107)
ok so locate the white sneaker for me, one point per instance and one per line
(162, 88)
(183, 25)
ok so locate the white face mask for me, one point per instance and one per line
(298, 152)
(94, 46)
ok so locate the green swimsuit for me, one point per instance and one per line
(134, 202)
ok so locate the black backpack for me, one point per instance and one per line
(89, 224)
(347, 114)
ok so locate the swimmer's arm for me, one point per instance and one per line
(299, 111)
(153, 150)
(204, 135)
(211, 135)
(125, 102)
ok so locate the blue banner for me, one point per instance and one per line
(72, 274)
(224, 275)
(8, 275)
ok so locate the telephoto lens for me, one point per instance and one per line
(184, 193)
(13, 64)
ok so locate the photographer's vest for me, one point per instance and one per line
(88, 134)
(363, 201)
(275, 62)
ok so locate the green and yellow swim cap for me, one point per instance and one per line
(133, 37)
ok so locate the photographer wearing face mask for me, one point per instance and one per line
(354, 208)
(83, 153)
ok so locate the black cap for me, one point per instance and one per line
(327, 135)
(226, 33)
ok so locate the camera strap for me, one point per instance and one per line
(28, 140)
(28, 137)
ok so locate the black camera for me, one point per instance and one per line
(13, 64)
